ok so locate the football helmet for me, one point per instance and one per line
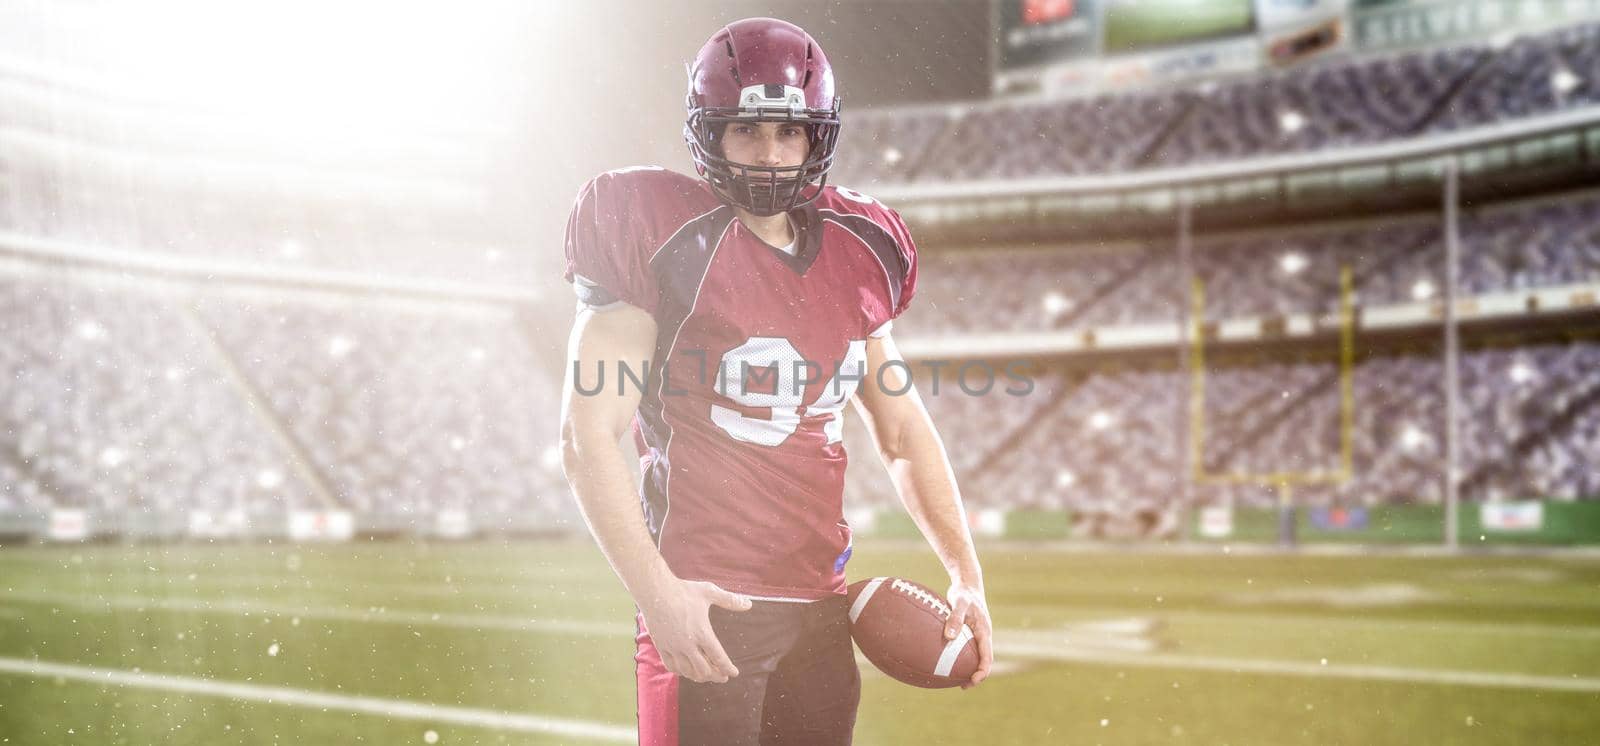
(762, 70)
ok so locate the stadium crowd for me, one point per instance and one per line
(112, 403)
(1340, 102)
(404, 409)
(1258, 274)
(120, 401)
(1114, 436)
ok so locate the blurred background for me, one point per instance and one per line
(1309, 291)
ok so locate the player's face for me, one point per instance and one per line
(766, 144)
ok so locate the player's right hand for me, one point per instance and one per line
(678, 619)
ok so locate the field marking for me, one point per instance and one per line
(1064, 654)
(379, 615)
(182, 565)
(384, 615)
(1232, 617)
(467, 581)
(1454, 598)
(1341, 597)
(391, 708)
(1582, 554)
(1541, 575)
(279, 584)
(461, 586)
(1072, 640)
(457, 589)
(1008, 643)
(464, 584)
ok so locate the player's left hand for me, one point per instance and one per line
(968, 606)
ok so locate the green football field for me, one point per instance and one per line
(530, 643)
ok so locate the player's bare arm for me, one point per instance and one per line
(592, 426)
(915, 457)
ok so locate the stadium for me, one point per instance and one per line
(1306, 294)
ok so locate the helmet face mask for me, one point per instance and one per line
(763, 190)
(762, 70)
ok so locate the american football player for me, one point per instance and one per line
(760, 298)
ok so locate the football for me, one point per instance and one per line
(899, 626)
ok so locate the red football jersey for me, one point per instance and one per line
(740, 424)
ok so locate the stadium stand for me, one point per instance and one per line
(1543, 243)
(112, 404)
(118, 402)
(1532, 75)
(404, 410)
(1110, 436)
(1325, 105)
(1318, 107)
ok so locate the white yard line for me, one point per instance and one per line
(1241, 618)
(285, 583)
(119, 567)
(390, 708)
(474, 586)
(1286, 668)
(1026, 644)
(467, 586)
(377, 615)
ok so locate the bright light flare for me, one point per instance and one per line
(347, 78)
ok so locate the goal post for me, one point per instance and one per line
(1283, 482)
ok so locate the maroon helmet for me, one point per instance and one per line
(762, 70)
